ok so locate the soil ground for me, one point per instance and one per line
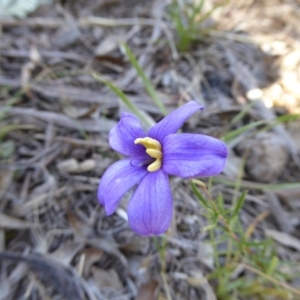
(55, 240)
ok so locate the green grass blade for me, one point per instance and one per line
(124, 99)
(239, 205)
(199, 195)
(234, 133)
(220, 202)
(210, 227)
(242, 113)
(282, 119)
(212, 10)
(270, 124)
(273, 265)
(148, 85)
(196, 10)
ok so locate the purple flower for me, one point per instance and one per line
(150, 159)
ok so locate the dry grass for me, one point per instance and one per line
(55, 240)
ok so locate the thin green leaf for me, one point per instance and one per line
(199, 195)
(196, 10)
(234, 133)
(125, 99)
(220, 201)
(148, 85)
(242, 113)
(238, 180)
(273, 264)
(270, 124)
(239, 204)
(282, 119)
(238, 283)
(209, 227)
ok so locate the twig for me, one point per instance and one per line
(20, 53)
(33, 22)
(98, 125)
(76, 142)
(273, 280)
(117, 22)
(165, 283)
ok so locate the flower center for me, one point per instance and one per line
(153, 148)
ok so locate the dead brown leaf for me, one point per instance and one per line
(92, 255)
(148, 291)
(9, 222)
(107, 278)
(67, 252)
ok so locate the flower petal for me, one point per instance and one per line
(188, 155)
(122, 136)
(150, 208)
(116, 181)
(172, 122)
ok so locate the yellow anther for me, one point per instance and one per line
(154, 153)
(153, 149)
(148, 143)
(154, 166)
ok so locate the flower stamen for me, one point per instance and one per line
(148, 143)
(154, 166)
(153, 149)
(154, 153)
